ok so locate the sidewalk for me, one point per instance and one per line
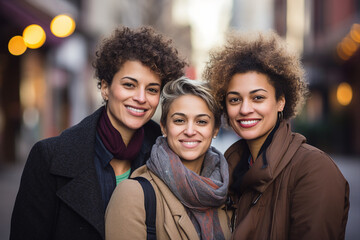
(9, 183)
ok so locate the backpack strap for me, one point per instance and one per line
(150, 207)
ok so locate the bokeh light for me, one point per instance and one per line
(62, 26)
(34, 36)
(17, 45)
(355, 32)
(344, 94)
(341, 52)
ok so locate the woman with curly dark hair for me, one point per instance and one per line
(281, 187)
(68, 180)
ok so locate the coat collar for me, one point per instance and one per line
(279, 154)
(177, 209)
(74, 159)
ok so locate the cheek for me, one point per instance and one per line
(173, 130)
(231, 111)
(154, 100)
(117, 93)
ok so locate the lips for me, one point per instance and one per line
(136, 111)
(248, 123)
(189, 143)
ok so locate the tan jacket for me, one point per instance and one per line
(304, 195)
(125, 214)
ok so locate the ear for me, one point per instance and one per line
(104, 90)
(281, 103)
(163, 130)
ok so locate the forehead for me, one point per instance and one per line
(248, 82)
(189, 105)
(139, 72)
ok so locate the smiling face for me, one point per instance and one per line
(132, 97)
(190, 126)
(251, 106)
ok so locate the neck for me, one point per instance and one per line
(119, 166)
(194, 165)
(256, 144)
(126, 133)
(126, 136)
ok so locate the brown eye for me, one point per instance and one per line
(128, 85)
(153, 90)
(202, 122)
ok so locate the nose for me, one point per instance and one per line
(246, 107)
(140, 96)
(189, 129)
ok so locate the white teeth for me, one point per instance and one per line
(136, 110)
(190, 143)
(249, 122)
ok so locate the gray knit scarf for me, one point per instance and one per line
(200, 194)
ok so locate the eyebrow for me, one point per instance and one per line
(184, 115)
(251, 92)
(135, 80)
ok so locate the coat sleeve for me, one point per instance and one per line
(125, 214)
(319, 199)
(35, 205)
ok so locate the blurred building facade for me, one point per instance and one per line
(323, 33)
(331, 58)
(46, 90)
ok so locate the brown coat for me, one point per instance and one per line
(125, 215)
(304, 194)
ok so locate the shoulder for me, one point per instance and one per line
(309, 160)
(233, 153)
(84, 127)
(131, 187)
(127, 196)
(310, 155)
(235, 149)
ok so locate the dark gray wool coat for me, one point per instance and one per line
(59, 195)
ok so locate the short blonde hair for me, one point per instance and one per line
(185, 86)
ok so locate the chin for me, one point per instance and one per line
(136, 126)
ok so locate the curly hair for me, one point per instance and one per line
(263, 52)
(143, 44)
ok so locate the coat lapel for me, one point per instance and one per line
(74, 160)
(177, 209)
(82, 194)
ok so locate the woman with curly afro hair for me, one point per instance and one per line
(68, 180)
(280, 187)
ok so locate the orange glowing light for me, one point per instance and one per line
(34, 36)
(17, 45)
(62, 26)
(355, 32)
(350, 44)
(344, 94)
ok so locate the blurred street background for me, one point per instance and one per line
(47, 82)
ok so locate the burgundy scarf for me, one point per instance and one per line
(113, 141)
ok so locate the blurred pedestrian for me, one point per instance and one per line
(190, 178)
(68, 180)
(282, 188)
